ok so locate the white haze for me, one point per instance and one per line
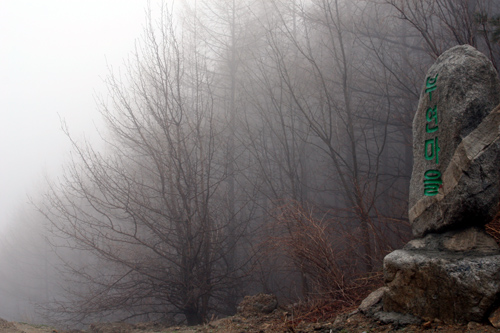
(54, 55)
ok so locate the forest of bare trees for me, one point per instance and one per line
(250, 146)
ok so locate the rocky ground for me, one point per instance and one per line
(279, 321)
(261, 313)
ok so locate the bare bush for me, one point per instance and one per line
(328, 254)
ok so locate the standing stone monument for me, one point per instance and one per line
(451, 271)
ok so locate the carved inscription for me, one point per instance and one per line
(432, 177)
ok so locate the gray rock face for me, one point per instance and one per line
(455, 287)
(455, 178)
(452, 271)
(470, 240)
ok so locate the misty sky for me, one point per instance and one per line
(53, 58)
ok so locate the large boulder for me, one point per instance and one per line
(453, 286)
(452, 270)
(456, 174)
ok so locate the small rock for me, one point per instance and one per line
(370, 302)
(494, 318)
(340, 321)
(260, 303)
(427, 325)
(474, 326)
(396, 318)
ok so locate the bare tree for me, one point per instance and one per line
(151, 208)
(326, 86)
(327, 126)
(231, 31)
(445, 23)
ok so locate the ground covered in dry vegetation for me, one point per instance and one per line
(320, 318)
(280, 321)
(262, 313)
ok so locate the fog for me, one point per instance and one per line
(53, 59)
(159, 165)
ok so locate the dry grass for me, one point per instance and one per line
(328, 256)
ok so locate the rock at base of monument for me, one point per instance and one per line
(466, 240)
(431, 283)
(372, 307)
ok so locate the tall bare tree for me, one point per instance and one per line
(446, 23)
(151, 209)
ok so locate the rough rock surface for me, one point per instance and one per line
(451, 272)
(372, 306)
(456, 144)
(396, 318)
(470, 240)
(452, 286)
(371, 303)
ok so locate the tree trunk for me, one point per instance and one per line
(193, 317)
